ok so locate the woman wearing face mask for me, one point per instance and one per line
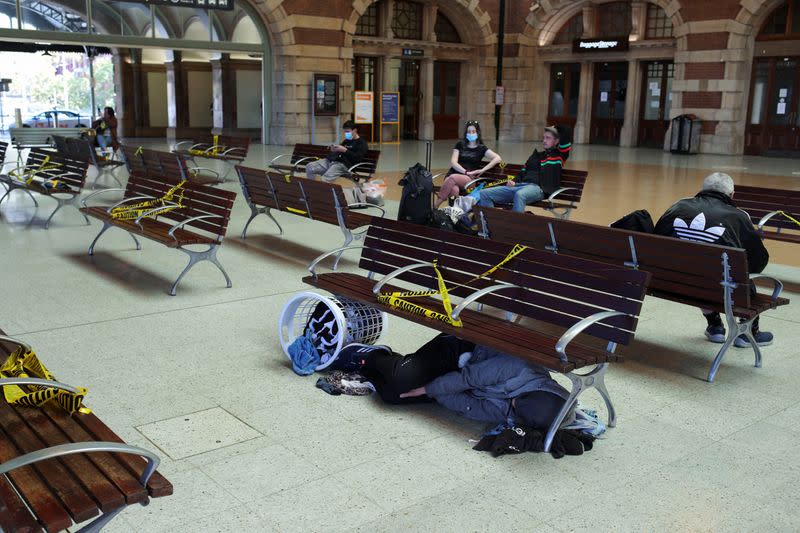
(466, 161)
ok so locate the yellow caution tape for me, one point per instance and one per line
(787, 215)
(398, 300)
(25, 364)
(214, 150)
(139, 151)
(296, 211)
(158, 206)
(28, 175)
(287, 178)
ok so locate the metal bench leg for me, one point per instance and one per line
(748, 332)
(61, 203)
(563, 214)
(348, 238)
(581, 382)
(105, 227)
(196, 257)
(254, 212)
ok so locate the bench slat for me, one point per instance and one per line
(14, 516)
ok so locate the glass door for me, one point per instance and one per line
(409, 99)
(446, 96)
(656, 103)
(565, 84)
(364, 72)
(608, 108)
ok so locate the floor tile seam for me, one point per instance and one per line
(154, 313)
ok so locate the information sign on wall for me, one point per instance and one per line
(364, 105)
(606, 44)
(326, 95)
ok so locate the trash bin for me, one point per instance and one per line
(685, 134)
(344, 321)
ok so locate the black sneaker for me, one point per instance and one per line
(763, 338)
(352, 357)
(716, 334)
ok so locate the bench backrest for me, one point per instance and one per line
(573, 179)
(3, 150)
(559, 290)
(316, 200)
(198, 200)
(321, 152)
(67, 169)
(761, 201)
(76, 147)
(40, 137)
(683, 270)
(133, 161)
(228, 141)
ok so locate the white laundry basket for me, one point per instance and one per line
(354, 322)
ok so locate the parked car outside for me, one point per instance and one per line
(66, 119)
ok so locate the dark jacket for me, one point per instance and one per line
(484, 388)
(356, 151)
(544, 168)
(712, 217)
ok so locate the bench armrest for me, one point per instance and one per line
(229, 150)
(394, 273)
(577, 329)
(439, 175)
(480, 294)
(84, 447)
(777, 285)
(559, 191)
(210, 148)
(366, 205)
(765, 219)
(313, 265)
(277, 157)
(39, 382)
(83, 201)
(182, 223)
(195, 170)
(477, 181)
(190, 143)
(153, 211)
(354, 167)
(126, 200)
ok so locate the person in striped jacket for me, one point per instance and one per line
(540, 177)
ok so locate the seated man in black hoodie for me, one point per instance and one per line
(712, 217)
(342, 157)
(540, 176)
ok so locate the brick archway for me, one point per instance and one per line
(754, 14)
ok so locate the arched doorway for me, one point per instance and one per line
(426, 52)
(773, 118)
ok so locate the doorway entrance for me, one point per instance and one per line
(608, 106)
(656, 103)
(565, 84)
(446, 76)
(773, 121)
(409, 99)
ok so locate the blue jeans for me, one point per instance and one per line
(520, 196)
(103, 141)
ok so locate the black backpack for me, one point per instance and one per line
(640, 221)
(440, 220)
(415, 202)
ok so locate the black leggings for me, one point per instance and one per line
(393, 374)
(540, 409)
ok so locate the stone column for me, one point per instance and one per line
(584, 121)
(177, 112)
(429, 12)
(630, 127)
(638, 21)
(224, 87)
(426, 109)
(385, 15)
(589, 19)
(128, 87)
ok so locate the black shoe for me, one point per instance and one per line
(352, 357)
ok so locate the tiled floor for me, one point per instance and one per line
(686, 455)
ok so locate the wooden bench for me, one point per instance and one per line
(228, 149)
(58, 469)
(302, 154)
(768, 209)
(701, 275)
(560, 203)
(24, 138)
(83, 149)
(575, 295)
(316, 200)
(203, 219)
(155, 163)
(44, 167)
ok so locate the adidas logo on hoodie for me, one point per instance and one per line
(697, 231)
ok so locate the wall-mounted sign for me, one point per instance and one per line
(499, 95)
(390, 108)
(607, 44)
(413, 52)
(201, 4)
(4, 85)
(363, 104)
(326, 95)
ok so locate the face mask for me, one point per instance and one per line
(472, 137)
(348, 135)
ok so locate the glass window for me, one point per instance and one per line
(570, 31)
(796, 18)
(364, 72)
(445, 31)
(614, 19)
(782, 93)
(776, 23)
(565, 81)
(407, 20)
(368, 22)
(557, 92)
(659, 26)
(759, 93)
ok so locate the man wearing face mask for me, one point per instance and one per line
(343, 156)
(540, 176)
